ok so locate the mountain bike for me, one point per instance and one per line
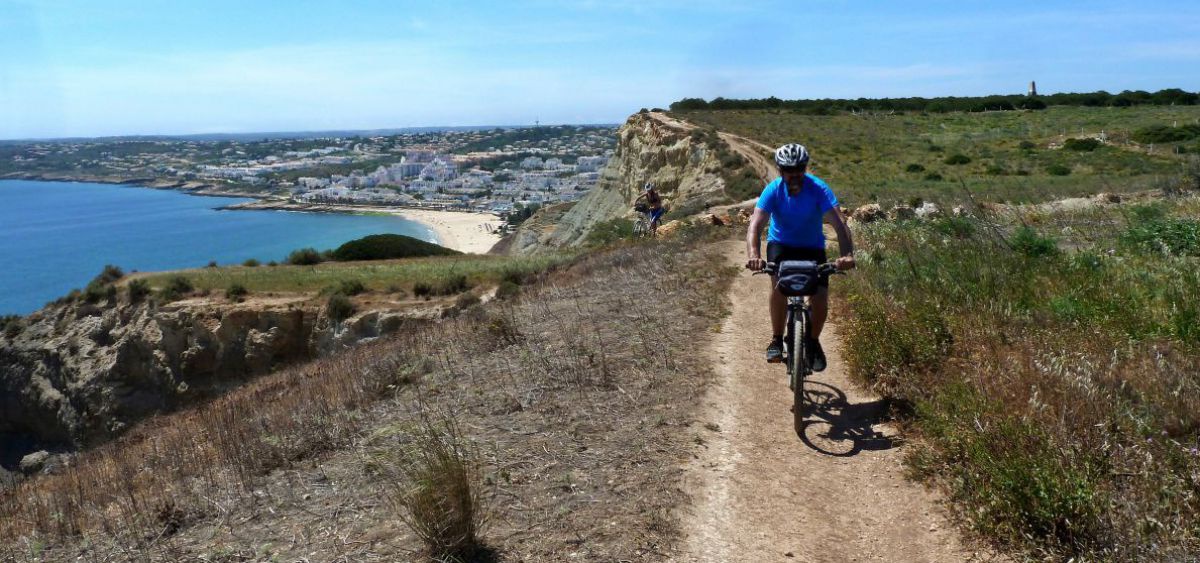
(641, 225)
(802, 279)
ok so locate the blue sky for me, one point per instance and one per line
(83, 68)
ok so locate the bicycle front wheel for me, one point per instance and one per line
(799, 365)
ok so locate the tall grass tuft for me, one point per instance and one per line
(435, 481)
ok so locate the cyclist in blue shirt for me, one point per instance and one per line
(795, 204)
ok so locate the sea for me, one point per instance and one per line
(55, 236)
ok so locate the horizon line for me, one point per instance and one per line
(295, 134)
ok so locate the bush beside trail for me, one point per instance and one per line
(1048, 377)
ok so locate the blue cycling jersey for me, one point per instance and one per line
(796, 219)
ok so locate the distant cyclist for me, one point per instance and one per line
(795, 203)
(654, 205)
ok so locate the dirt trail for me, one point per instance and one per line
(763, 494)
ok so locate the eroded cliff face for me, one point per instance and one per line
(685, 164)
(76, 374)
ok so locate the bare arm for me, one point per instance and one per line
(753, 249)
(845, 241)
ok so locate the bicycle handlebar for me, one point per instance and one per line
(825, 270)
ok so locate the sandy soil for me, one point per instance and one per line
(836, 492)
(465, 232)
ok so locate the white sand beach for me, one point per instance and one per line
(463, 231)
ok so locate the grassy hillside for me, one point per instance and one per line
(1011, 156)
(382, 275)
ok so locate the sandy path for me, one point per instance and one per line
(763, 494)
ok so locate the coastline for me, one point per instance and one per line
(468, 232)
(464, 231)
(190, 187)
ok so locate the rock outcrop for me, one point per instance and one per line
(689, 167)
(76, 373)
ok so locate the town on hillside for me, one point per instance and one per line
(499, 170)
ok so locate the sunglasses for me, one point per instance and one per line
(791, 169)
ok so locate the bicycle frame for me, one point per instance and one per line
(796, 351)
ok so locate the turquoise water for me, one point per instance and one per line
(55, 236)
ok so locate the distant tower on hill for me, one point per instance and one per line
(1032, 88)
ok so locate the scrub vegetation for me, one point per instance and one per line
(997, 156)
(1048, 365)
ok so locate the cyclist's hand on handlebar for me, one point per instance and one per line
(845, 263)
(756, 264)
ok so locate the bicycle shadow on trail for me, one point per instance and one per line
(834, 427)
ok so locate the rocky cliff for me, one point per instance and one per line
(693, 168)
(75, 373)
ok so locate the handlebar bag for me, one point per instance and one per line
(797, 277)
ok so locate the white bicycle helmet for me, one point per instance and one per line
(649, 186)
(791, 155)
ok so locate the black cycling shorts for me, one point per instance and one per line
(777, 253)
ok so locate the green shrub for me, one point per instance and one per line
(1027, 145)
(138, 290)
(957, 227)
(422, 289)
(995, 170)
(108, 275)
(1019, 483)
(1165, 134)
(890, 343)
(1180, 237)
(608, 232)
(211, 264)
(304, 257)
(236, 292)
(451, 285)
(1058, 170)
(933, 177)
(350, 287)
(914, 167)
(743, 185)
(251, 263)
(177, 287)
(1027, 241)
(958, 159)
(507, 290)
(96, 292)
(339, 307)
(383, 247)
(1082, 145)
(11, 325)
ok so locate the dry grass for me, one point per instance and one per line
(579, 395)
(434, 477)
